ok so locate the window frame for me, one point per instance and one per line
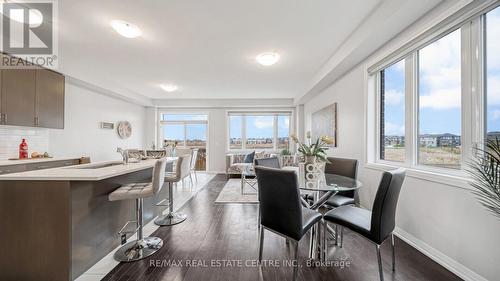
(244, 114)
(379, 112)
(473, 97)
(162, 122)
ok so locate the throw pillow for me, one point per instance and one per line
(249, 157)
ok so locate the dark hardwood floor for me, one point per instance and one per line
(215, 233)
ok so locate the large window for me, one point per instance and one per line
(174, 132)
(392, 112)
(439, 102)
(259, 130)
(235, 132)
(283, 141)
(493, 74)
(438, 98)
(189, 131)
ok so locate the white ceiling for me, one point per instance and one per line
(207, 48)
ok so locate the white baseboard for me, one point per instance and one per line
(452, 265)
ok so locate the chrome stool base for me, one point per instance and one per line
(138, 249)
(171, 219)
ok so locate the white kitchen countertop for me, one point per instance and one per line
(76, 173)
(36, 160)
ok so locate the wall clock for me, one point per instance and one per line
(124, 129)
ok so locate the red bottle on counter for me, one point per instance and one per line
(23, 150)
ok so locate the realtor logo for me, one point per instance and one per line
(28, 32)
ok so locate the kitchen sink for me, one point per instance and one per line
(98, 166)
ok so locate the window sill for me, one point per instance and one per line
(441, 178)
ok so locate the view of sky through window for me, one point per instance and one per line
(493, 71)
(191, 126)
(440, 98)
(393, 144)
(266, 131)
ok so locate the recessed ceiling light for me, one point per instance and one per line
(268, 58)
(126, 29)
(169, 87)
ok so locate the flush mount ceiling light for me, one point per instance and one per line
(268, 58)
(126, 29)
(168, 87)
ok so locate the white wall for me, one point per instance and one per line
(443, 220)
(82, 135)
(11, 136)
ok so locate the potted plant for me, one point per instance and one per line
(313, 151)
(484, 169)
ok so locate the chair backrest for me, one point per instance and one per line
(272, 162)
(156, 153)
(194, 158)
(182, 167)
(344, 167)
(280, 207)
(159, 174)
(384, 206)
(185, 165)
(135, 153)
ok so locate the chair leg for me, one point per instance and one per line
(336, 235)
(258, 217)
(325, 241)
(142, 247)
(312, 245)
(172, 217)
(195, 176)
(393, 253)
(317, 245)
(261, 244)
(341, 236)
(296, 259)
(379, 258)
(191, 178)
(139, 219)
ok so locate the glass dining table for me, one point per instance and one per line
(319, 191)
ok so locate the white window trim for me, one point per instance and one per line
(243, 148)
(471, 23)
(160, 122)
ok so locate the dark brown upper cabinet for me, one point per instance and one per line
(32, 97)
(49, 105)
(18, 97)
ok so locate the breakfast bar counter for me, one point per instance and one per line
(56, 223)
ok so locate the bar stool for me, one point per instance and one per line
(142, 247)
(182, 169)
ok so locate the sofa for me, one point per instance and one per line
(234, 159)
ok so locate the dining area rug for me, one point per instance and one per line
(231, 193)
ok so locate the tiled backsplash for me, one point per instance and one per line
(10, 138)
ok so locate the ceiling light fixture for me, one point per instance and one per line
(126, 29)
(169, 87)
(268, 58)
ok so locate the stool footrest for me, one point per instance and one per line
(164, 202)
(124, 230)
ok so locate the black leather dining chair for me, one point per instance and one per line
(376, 225)
(281, 209)
(343, 167)
(271, 162)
